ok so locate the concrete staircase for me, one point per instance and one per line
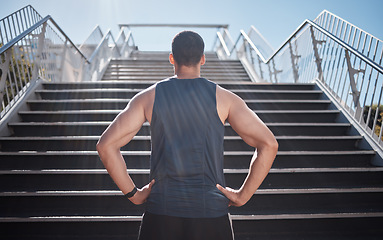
(53, 185)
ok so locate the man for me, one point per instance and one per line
(187, 197)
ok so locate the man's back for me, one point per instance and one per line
(187, 150)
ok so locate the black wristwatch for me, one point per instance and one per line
(131, 194)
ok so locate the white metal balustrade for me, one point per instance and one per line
(344, 60)
(35, 48)
(16, 23)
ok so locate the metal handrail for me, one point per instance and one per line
(223, 43)
(96, 28)
(126, 40)
(103, 40)
(11, 43)
(327, 33)
(252, 45)
(261, 36)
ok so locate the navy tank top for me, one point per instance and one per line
(187, 150)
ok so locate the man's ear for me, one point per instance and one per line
(203, 60)
(171, 58)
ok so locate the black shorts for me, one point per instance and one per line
(159, 227)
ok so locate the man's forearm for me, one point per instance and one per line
(116, 167)
(259, 168)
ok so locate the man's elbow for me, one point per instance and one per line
(272, 145)
(275, 145)
(100, 147)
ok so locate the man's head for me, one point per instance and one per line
(187, 48)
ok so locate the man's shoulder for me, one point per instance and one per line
(227, 97)
(224, 92)
(145, 95)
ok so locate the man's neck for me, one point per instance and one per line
(186, 72)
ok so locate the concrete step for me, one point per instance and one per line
(99, 179)
(298, 116)
(146, 55)
(144, 84)
(271, 227)
(218, 77)
(165, 62)
(140, 159)
(97, 128)
(166, 72)
(264, 202)
(142, 143)
(129, 93)
(332, 226)
(119, 104)
(169, 71)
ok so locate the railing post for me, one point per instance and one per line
(354, 89)
(270, 72)
(40, 46)
(251, 53)
(4, 67)
(62, 65)
(318, 60)
(260, 67)
(275, 72)
(294, 64)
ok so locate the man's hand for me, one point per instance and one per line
(142, 194)
(234, 196)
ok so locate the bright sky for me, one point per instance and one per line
(275, 19)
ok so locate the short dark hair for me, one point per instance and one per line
(187, 48)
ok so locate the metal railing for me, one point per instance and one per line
(91, 42)
(16, 23)
(101, 48)
(39, 51)
(344, 60)
(33, 47)
(363, 42)
(224, 45)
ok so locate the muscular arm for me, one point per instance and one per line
(119, 133)
(255, 133)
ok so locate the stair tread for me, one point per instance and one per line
(141, 89)
(228, 153)
(307, 216)
(128, 99)
(334, 190)
(106, 123)
(122, 82)
(148, 137)
(145, 74)
(226, 171)
(138, 218)
(117, 111)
